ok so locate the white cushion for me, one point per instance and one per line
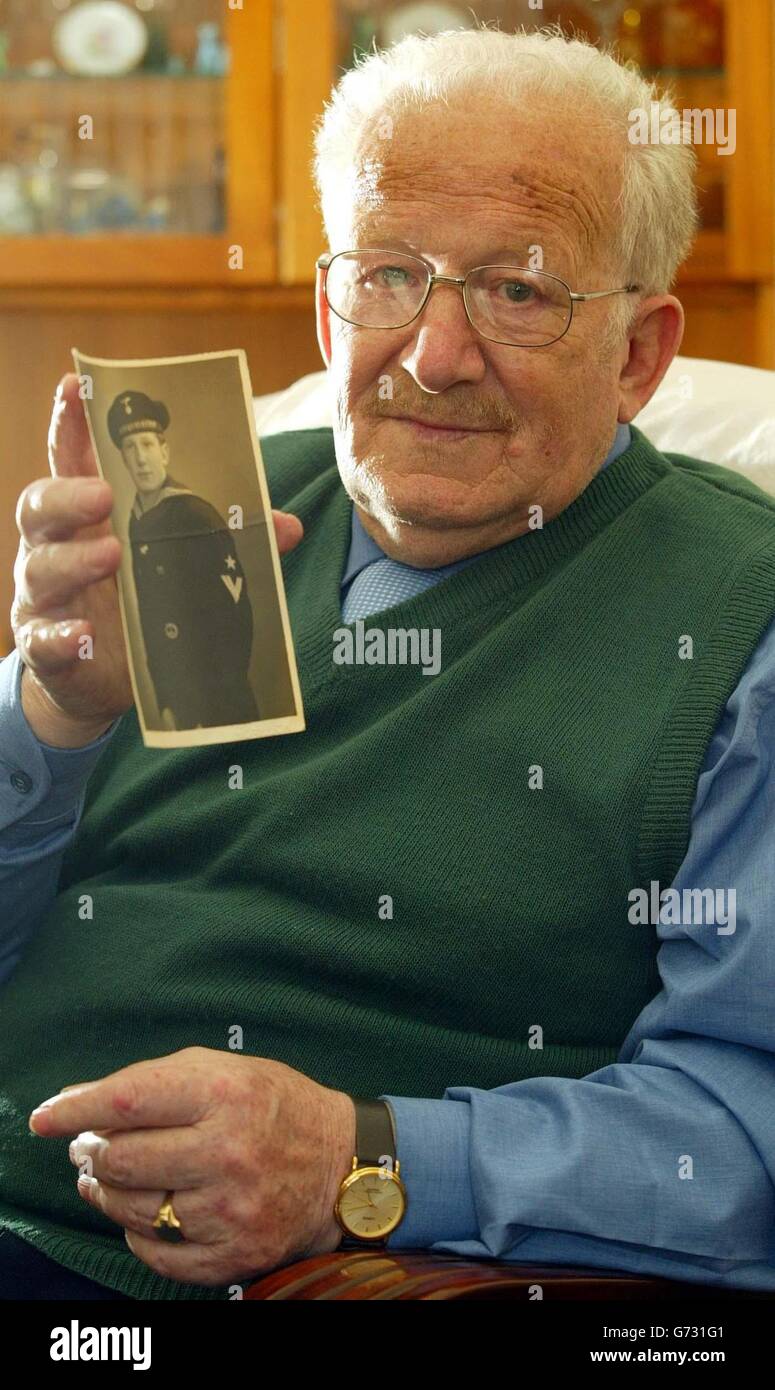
(303, 406)
(717, 411)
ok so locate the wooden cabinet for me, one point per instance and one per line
(196, 182)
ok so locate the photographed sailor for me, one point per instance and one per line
(192, 596)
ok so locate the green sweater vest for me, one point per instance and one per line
(260, 907)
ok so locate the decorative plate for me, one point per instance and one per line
(100, 38)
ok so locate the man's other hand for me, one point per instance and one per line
(252, 1150)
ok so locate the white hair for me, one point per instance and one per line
(657, 206)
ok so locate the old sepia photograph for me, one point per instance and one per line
(202, 599)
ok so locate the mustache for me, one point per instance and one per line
(477, 413)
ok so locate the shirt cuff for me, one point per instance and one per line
(38, 783)
(432, 1147)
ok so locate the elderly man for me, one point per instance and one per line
(433, 901)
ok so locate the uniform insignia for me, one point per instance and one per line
(143, 549)
(170, 630)
(234, 586)
(230, 562)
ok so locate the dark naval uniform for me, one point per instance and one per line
(195, 613)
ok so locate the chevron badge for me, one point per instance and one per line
(234, 586)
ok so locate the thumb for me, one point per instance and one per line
(288, 529)
(70, 453)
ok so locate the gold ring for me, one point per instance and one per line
(166, 1224)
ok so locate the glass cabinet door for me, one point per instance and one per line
(118, 122)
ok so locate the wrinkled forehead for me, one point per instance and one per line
(537, 176)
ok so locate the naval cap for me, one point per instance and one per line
(133, 411)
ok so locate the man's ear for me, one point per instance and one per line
(323, 318)
(654, 340)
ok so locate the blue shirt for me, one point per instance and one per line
(662, 1163)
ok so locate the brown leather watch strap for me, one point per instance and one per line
(374, 1133)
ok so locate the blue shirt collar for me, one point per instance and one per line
(364, 551)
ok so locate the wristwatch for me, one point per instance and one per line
(372, 1198)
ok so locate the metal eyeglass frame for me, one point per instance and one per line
(324, 263)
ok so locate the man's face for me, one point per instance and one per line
(146, 455)
(460, 189)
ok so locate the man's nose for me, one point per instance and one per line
(444, 347)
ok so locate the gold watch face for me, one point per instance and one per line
(371, 1203)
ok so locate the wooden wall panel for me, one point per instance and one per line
(726, 322)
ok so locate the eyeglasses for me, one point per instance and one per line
(505, 303)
